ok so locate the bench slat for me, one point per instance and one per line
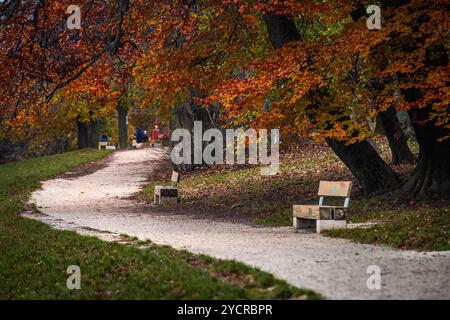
(313, 212)
(319, 212)
(335, 188)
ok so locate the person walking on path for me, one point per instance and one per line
(155, 134)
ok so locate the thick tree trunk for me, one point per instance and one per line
(88, 134)
(122, 111)
(432, 175)
(82, 135)
(186, 113)
(431, 179)
(94, 133)
(372, 173)
(395, 136)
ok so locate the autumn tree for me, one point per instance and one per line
(419, 60)
(418, 65)
(40, 56)
(311, 68)
(360, 157)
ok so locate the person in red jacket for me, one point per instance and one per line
(155, 135)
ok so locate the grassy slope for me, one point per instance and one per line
(35, 257)
(269, 200)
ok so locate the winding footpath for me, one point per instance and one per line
(336, 268)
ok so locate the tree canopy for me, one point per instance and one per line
(323, 74)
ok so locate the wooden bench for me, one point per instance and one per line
(324, 217)
(167, 193)
(106, 146)
(102, 145)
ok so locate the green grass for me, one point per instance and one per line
(35, 257)
(425, 229)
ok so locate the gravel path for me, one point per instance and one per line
(335, 268)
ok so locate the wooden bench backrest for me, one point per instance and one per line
(335, 189)
(175, 177)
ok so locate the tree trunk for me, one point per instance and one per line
(431, 179)
(395, 136)
(94, 133)
(432, 175)
(82, 135)
(184, 116)
(88, 134)
(122, 111)
(372, 173)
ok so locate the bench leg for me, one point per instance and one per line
(296, 223)
(156, 199)
(300, 223)
(323, 225)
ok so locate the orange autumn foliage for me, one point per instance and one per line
(318, 86)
